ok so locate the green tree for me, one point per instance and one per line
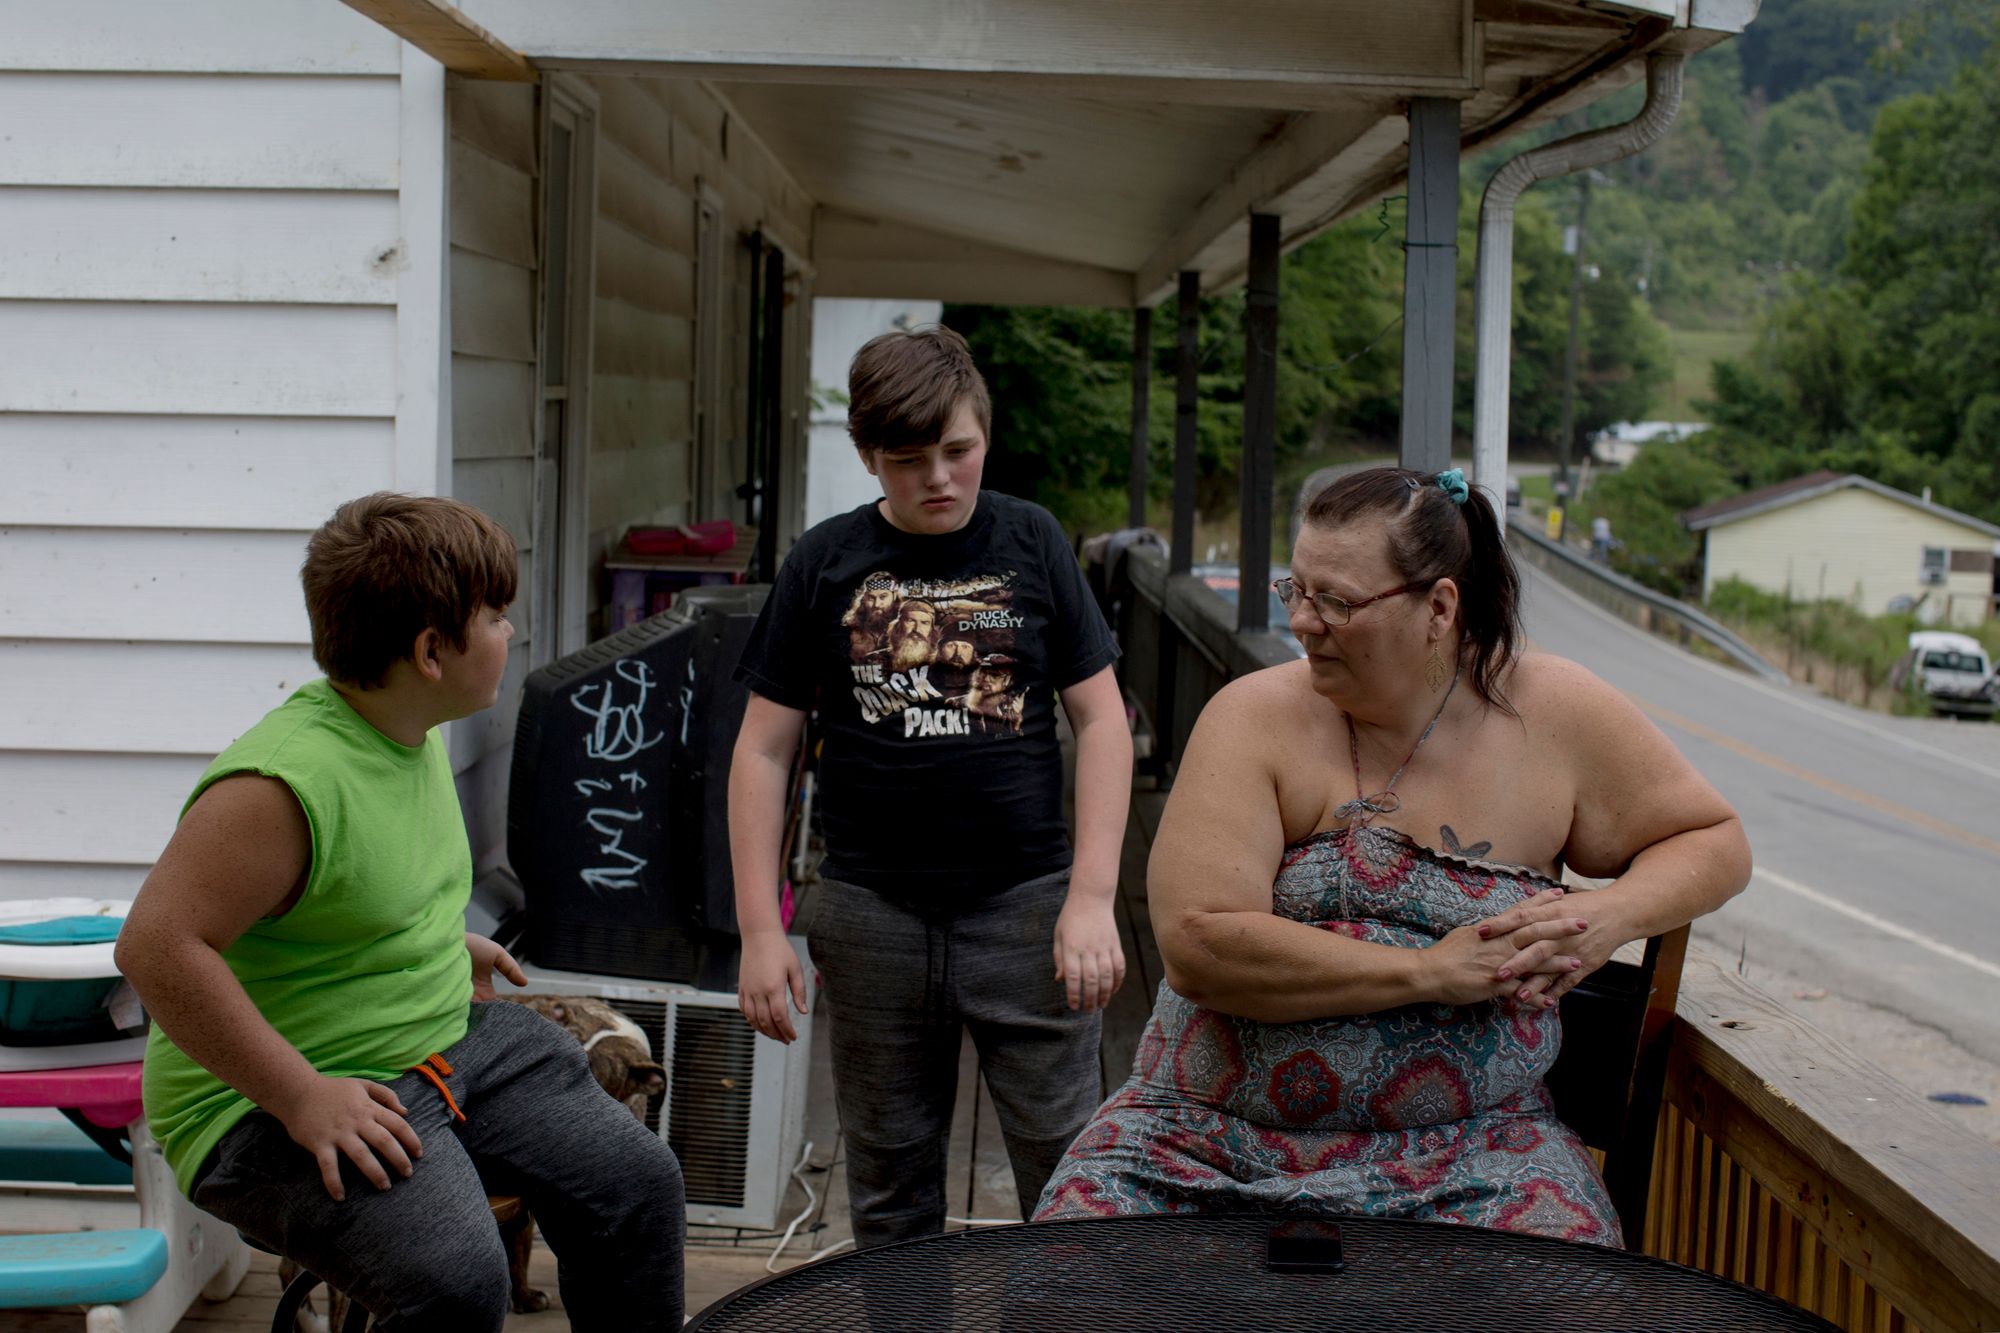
(1806, 148)
(1801, 43)
(1974, 484)
(1924, 248)
(1886, 368)
(1060, 380)
(1644, 503)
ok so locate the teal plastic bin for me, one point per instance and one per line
(56, 971)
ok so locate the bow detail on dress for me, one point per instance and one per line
(1381, 803)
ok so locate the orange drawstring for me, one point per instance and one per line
(427, 1070)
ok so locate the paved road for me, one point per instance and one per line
(1877, 839)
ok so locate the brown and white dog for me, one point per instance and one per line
(621, 1056)
(621, 1060)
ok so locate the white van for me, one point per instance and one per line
(1952, 670)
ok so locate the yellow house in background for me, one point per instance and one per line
(1835, 536)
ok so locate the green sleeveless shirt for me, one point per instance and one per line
(367, 974)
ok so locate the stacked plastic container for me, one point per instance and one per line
(62, 1003)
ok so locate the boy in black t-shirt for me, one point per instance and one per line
(934, 631)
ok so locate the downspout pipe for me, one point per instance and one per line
(1494, 284)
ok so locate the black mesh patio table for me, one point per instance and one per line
(1161, 1273)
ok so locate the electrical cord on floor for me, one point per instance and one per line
(834, 1248)
(812, 1201)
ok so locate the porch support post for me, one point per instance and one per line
(1186, 396)
(1142, 384)
(771, 409)
(1430, 283)
(1260, 423)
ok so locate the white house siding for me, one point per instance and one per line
(1849, 545)
(663, 143)
(660, 144)
(214, 306)
(642, 349)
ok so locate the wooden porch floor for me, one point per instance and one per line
(720, 1260)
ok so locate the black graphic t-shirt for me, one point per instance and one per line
(934, 662)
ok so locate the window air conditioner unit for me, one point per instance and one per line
(735, 1105)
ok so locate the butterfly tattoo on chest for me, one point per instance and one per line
(1451, 844)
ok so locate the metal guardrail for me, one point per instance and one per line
(1636, 603)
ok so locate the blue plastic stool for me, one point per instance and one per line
(138, 1280)
(80, 1267)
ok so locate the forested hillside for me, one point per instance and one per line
(1856, 244)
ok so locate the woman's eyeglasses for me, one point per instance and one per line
(1331, 609)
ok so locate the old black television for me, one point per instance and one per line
(616, 822)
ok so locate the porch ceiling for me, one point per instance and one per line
(1097, 183)
(1062, 152)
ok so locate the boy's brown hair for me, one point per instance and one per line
(387, 567)
(905, 386)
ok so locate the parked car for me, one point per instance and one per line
(1224, 578)
(1951, 670)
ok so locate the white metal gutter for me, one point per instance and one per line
(1722, 15)
(1493, 300)
(1730, 16)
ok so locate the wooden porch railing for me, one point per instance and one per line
(1788, 1163)
(1180, 646)
(1784, 1161)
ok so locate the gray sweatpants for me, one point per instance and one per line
(900, 988)
(425, 1254)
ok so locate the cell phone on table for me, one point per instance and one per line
(1304, 1245)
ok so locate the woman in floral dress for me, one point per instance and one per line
(1356, 892)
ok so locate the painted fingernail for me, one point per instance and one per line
(1521, 994)
(1575, 963)
(1581, 924)
(1547, 1003)
(1483, 932)
(1506, 973)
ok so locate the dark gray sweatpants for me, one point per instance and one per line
(426, 1254)
(900, 988)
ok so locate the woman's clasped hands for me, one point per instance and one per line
(1531, 954)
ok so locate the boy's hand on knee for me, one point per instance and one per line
(352, 1117)
(1090, 962)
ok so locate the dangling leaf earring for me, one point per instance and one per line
(1435, 672)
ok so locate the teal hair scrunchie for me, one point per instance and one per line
(1452, 483)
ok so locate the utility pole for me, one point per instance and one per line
(1568, 442)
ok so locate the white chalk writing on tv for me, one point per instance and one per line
(618, 734)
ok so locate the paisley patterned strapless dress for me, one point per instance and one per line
(1430, 1111)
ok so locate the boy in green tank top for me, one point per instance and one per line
(323, 1071)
